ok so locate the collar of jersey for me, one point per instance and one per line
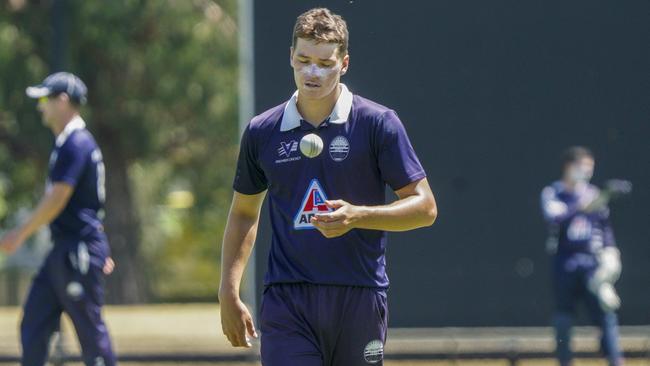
(76, 123)
(291, 117)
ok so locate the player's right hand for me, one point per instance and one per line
(11, 242)
(237, 322)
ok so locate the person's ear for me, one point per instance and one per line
(345, 64)
(291, 56)
(64, 97)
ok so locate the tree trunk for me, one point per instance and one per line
(127, 284)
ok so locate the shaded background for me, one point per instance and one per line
(491, 93)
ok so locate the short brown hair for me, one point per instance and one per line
(575, 153)
(321, 25)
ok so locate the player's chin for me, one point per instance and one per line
(316, 92)
(312, 92)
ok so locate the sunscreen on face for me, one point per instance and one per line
(313, 71)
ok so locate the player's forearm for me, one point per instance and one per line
(569, 211)
(599, 203)
(47, 210)
(238, 241)
(409, 213)
(572, 210)
(560, 217)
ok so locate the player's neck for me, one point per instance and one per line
(57, 128)
(315, 111)
(572, 185)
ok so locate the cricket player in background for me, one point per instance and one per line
(325, 157)
(71, 279)
(586, 260)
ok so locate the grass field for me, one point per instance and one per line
(195, 329)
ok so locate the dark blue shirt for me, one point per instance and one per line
(365, 148)
(572, 231)
(77, 161)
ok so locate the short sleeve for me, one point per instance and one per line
(397, 161)
(249, 177)
(552, 207)
(70, 162)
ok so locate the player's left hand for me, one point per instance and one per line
(618, 187)
(109, 266)
(338, 222)
(11, 242)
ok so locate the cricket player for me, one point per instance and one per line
(71, 279)
(324, 158)
(586, 261)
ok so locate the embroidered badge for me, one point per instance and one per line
(339, 148)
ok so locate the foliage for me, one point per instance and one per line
(162, 79)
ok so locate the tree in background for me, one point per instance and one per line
(162, 80)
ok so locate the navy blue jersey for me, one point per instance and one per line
(77, 161)
(571, 230)
(365, 148)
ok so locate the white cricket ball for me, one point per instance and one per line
(74, 290)
(311, 145)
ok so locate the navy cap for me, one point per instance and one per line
(60, 82)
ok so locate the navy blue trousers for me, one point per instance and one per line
(570, 279)
(318, 325)
(71, 281)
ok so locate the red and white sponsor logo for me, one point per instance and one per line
(312, 204)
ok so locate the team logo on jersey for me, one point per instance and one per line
(286, 148)
(579, 229)
(285, 151)
(339, 148)
(312, 204)
(374, 351)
